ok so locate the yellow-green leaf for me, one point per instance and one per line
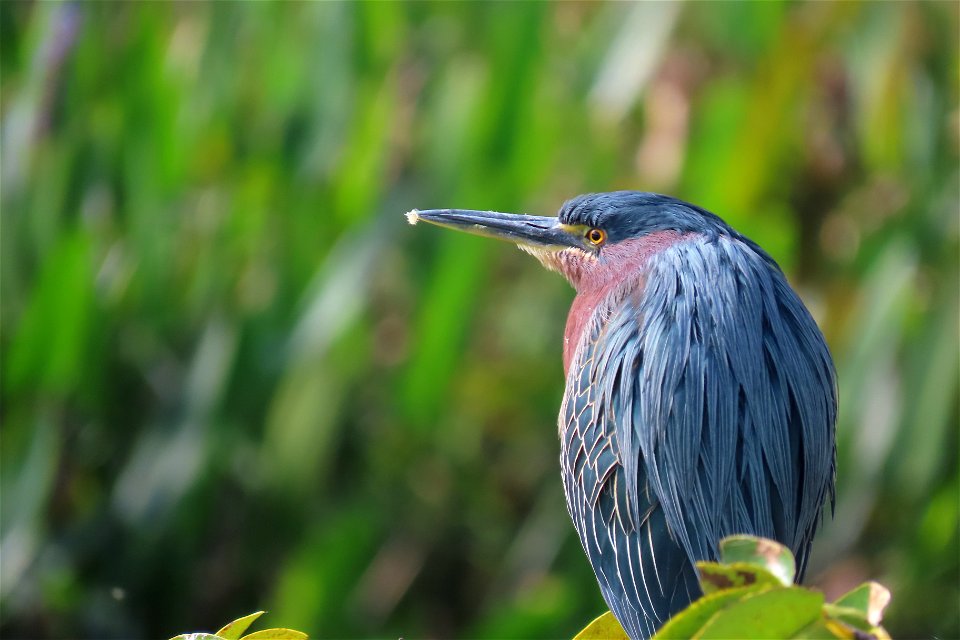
(870, 599)
(824, 629)
(848, 615)
(686, 623)
(605, 627)
(276, 634)
(233, 630)
(771, 555)
(717, 577)
(775, 613)
(880, 633)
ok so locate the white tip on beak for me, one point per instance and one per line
(413, 216)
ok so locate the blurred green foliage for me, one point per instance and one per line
(233, 379)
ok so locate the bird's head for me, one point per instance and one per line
(595, 238)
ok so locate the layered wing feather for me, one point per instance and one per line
(701, 402)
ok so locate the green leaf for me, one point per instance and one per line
(774, 613)
(276, 634)
(771, 555)
(233, 630)
(879, 633)
(686, 623)
(717, 577)
(870, 599)
(824, 629)
(852, 622)
(605, 627)
(849, 616)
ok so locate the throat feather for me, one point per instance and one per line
(602, 284)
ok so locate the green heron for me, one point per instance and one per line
(700, 395)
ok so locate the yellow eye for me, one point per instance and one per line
(596, 237)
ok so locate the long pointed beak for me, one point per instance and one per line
(537, 231)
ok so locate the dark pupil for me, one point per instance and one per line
(595, 235)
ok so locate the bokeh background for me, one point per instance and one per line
(233, 378)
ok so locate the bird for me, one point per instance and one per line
(700, 396)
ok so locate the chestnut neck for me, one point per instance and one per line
(618, 266)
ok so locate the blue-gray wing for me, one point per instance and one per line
(644, 574)
(702, 403)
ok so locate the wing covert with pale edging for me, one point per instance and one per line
(700, 403)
